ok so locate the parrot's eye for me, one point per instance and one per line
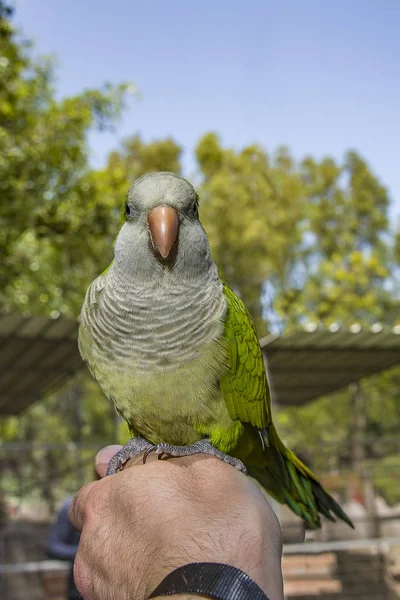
(195, 209)
(128, 210)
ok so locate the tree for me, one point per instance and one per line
(345, 268)
(47, 198)
(251, 205)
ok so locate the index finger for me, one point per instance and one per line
(77, 509)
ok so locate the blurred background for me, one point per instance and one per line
(286, 118)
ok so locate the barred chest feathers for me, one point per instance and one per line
(157, 351)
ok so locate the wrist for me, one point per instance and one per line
(213, 580)
(183, 597)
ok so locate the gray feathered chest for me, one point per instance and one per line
(158, 326)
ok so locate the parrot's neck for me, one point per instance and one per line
(161, 324)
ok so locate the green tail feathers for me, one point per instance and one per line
(290, 482)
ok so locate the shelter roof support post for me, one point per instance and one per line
(358, 456)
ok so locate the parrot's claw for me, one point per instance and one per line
(201, 447)
(147, 452)
(133, 448)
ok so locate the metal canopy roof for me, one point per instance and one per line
(38, 354)
(306, 365)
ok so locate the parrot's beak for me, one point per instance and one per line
(163, 224)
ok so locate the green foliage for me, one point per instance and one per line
(386, 478)
(47, 192)
(319, 431)
(344, 272)
(54, 442)
(250, 206)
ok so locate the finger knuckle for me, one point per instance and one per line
(96, 503)
(83, 577)
(78, 506)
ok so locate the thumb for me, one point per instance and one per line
(103, 457)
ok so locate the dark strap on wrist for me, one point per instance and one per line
(215, 580)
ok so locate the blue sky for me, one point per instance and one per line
(320, 77)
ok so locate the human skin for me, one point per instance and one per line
(141, 524)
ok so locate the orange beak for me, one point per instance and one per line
(163, 224)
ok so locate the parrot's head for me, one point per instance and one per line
(161, 228)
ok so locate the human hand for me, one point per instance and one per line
(141, 524)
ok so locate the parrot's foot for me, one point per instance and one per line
(133, 448)
(200, 447)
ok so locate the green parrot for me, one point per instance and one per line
(175, 350)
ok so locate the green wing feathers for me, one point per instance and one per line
(244, 387)
(246, 393)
